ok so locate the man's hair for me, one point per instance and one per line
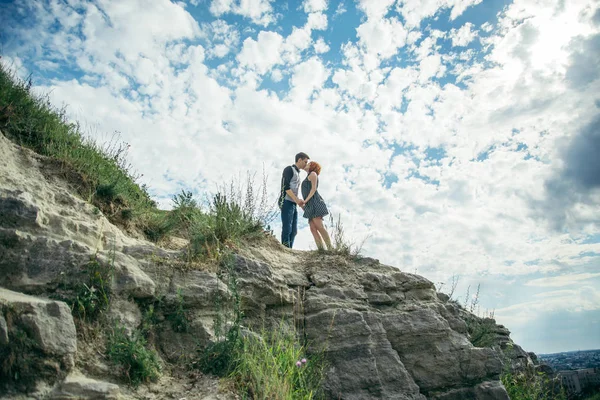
(314, 166)
(301, 156)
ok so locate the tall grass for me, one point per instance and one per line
(530, 385)
(104, 175)
(241, 210)
(341, 244)
(131, 354)
(275, 366)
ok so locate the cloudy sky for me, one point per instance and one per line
(461, 136)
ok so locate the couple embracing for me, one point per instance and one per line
(312, 203)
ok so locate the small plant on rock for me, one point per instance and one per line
(138, 362)
(179, 318)
(93, 297)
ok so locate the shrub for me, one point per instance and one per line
(530, 385)
(482, 332)
(138, 363)
(156, 224)
(227, 221)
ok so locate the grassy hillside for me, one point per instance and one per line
(102, 175)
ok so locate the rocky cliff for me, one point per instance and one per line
(386, 333)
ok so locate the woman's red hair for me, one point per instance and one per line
(314, 166)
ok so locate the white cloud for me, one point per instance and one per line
(375, 9)
(311, 6)
(298, 41)
(390, 93)
(585, 298)
(382, 37)
(463, 36)
(317, 21)
(308, 77)
(341, 9)
(562, 280)
(321, 47)
(431, 66)
(223, 38)
(263, 53)
(487, 27)
(259, 12)
(276, 75)
(414, 11)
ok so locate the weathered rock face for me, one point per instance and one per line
(386, 334)
(38, 337)
(76, 386)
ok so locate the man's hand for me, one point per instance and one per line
(300, 202)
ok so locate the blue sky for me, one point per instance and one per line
(459, 136)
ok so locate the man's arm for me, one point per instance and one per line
(298, 201)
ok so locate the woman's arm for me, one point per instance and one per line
(313, 187)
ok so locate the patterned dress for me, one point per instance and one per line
(315, 207)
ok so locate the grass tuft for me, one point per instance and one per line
(139, 363)
(275, 366)
(341, 244)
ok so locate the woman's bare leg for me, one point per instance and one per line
(318, 222)
(315, 233)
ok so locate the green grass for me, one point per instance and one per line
(138, 362)
(482, 332)
(529, 385)
(102, 174)
(93, 298)
(275, 366)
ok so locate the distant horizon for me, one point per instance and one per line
(568, 351)
(458, 135)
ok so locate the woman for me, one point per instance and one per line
(314, 206)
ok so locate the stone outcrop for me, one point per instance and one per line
(77, 386)
(37, 336)
(385, 333)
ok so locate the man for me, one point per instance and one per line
(288, 199)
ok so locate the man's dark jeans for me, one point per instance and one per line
(289, 222)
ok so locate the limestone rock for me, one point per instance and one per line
(490, 390)
(48, 322)
(126, 313)
(196, 289)
(79, 387)
(40, 334)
